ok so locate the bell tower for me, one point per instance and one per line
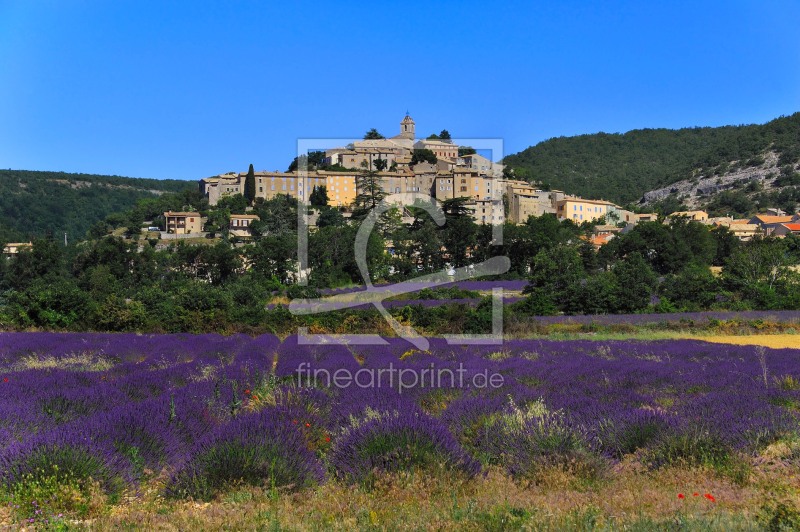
(408, 127)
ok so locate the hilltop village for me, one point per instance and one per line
(438, 167)
(435, 167)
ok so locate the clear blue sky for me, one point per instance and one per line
(185, 90)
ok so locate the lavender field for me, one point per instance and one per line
(107, 414)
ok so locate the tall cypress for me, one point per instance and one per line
(250, 185)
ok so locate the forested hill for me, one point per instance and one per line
(37, 203)
(622, 167)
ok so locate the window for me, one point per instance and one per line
(261, 189)
(273, 187)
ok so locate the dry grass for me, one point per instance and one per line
(72, 362)
(776, 341)
(630, 496)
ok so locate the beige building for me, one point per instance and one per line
(441, 148)
(581, 210)
(341, 185)
(695, 216)
(12, 248)
(525, 201)
(487, 212)
(214, 188)
(239, 224)
(646, 217)
(740, 228)
(183, 223)
(482, 165)
(466, 183)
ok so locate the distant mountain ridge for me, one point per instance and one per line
(623, 167)
(34, 203)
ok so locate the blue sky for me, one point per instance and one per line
(191, 89)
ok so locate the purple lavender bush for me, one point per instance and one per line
(261, 449)
(398, 442)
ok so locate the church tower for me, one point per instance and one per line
(407, 128)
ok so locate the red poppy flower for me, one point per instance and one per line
(327, 439)
(247, 391)
(710, 497)
(695, 494)
(5, 379)
(681, 496)
(308, 424)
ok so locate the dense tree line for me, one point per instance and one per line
(112, 283)
(35, 204)
(666, 268)
(622, 167)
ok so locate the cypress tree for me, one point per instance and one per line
(250, 185)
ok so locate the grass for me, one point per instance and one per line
(791, 341)
(630, 499)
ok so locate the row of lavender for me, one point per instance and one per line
(209, 409)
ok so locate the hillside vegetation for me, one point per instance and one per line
(35, 203)
(622, 167)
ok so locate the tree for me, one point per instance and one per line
(466, 150)
(373, 134)
(276, 215)
(134, 224)
(370, 193)
(635, 283)
(423, 155)
(319, 196)
(250, 185)
(330, 218)
(458, 237)
(380, 164)
(234, 203)
(218, 221)
(274, 257)
(445, 135)
(692, 289)
(456, 207)
(313, 161)
(44, 260)
(555, 273)
(760, 261)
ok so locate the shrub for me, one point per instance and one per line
(60, 461)
(630, 432)
(527, 446)
(398, 441)
(261, 449)
(693, 446)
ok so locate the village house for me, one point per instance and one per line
(239, 224)
(695, 216)
(783, 230)
(581, 210)
(183, 223)
(12, 248)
